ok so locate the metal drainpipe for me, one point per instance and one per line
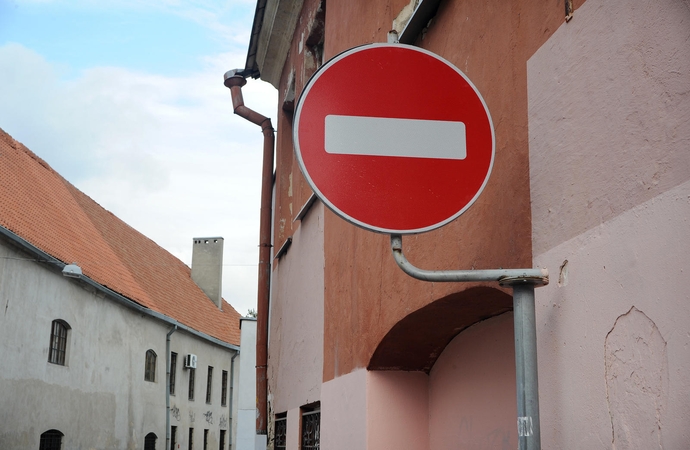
(167, 386)
(234, 81)
(232, 386)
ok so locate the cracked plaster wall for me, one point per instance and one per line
(636, 381)
(610, 190)
(608, 99)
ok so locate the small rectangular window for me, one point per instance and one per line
(173, 437)
(311, 427)
(206, 439)
(224, 389)
(190, 444)
(173, 371)
(209, 383)
(221, 446)
(281, 432)
(191, 383)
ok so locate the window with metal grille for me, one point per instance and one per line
(311, 427)
(209, 382)
(190, 445)
(150, 369)
(173, 371)
(280, 441)
(221, 446)
(58, 342)
(51, 440)
(191, 383)
(150, 441)
(224, 389)
(173, 437)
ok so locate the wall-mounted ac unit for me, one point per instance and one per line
(190, 361)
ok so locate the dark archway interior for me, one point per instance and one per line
(414, 343)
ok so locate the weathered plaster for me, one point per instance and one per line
(296, 321)
(636, 381)
(609, 166)
(609, 106)
(637, 259)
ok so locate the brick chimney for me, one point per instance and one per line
(207, 267)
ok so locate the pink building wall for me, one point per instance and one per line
(609, 164)
(609, 125)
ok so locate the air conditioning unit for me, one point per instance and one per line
(190, 361)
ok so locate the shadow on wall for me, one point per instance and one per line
(417, 340)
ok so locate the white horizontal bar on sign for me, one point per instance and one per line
(378, 136)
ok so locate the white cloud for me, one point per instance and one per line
(164, 154)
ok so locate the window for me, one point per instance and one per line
(51, 439)
(311, 427)
(221, 446)
(224, 389)
(190, 445)
(173, 371)
(150, 369)
(206, 439)
(191, 383)
(150, 441)
(173, 437)
(280, 432)
(58, 342)
(209, 381)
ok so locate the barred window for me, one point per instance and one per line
(173, 371)
(280, 442)
(191, 383)
(150, 441)
(209, 384)
(224, 389)
(311, 427)
(51, 440)
(58, 342)
(150, 369)
(221, 446)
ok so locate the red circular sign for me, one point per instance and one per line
(393, 138)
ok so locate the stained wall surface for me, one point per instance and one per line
(610, 171)
(296, 321)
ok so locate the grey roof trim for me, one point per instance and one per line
(42, 256)
(251, 67)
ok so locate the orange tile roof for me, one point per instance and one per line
(43, 208)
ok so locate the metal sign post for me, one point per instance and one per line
(523, 282)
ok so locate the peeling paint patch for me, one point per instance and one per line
(404, 16)
(636, 381)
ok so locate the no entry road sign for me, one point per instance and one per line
(393, 138)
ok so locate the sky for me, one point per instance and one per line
(125, 99)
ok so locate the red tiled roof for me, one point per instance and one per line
(43, 208)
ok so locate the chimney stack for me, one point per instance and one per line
(207, 267)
